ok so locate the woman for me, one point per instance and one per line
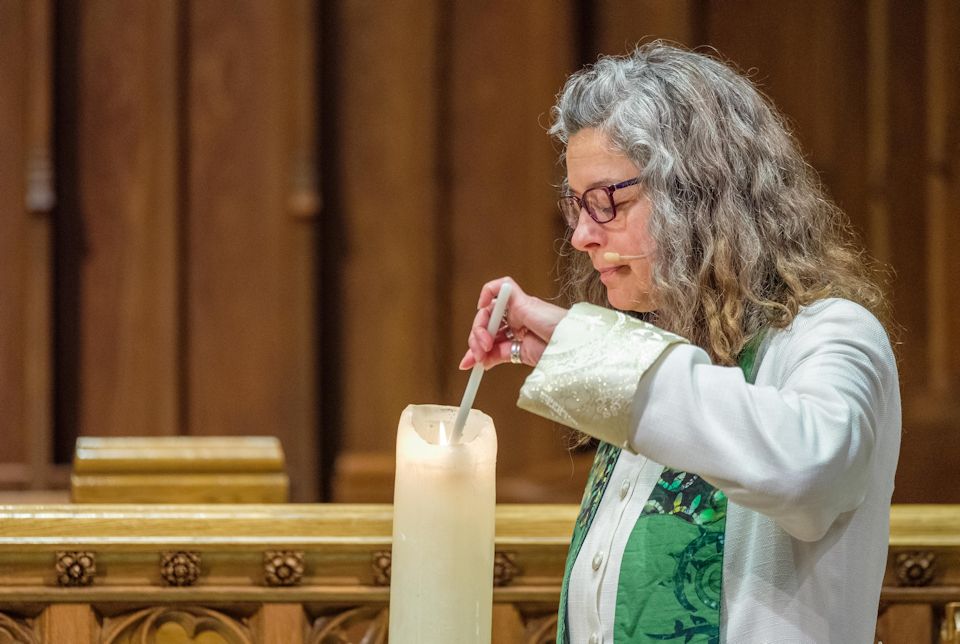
(743, 390)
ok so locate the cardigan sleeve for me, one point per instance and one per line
(587, 376)
(797, 450)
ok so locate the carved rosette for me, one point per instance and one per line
(75, 568)
(915, 568)
(180, 568)
(504, 568)
(381, 567)
(175, 624)
(17, 631)
(283, 567)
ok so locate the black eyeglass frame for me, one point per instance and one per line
(573, 217)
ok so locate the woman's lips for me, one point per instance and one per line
(609, 273)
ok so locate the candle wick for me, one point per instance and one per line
(477, 373)
(442, 435)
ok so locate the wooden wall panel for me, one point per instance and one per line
(118, 235)
(385, 89)
(619, 26)
(502, 194)
(950, 72)
(40, 201)
(927, 444)
(250, 344)
(926, 211)
(877, 117)
(452, 129)
(187, 239)
(13, 223)
(940, 80)
(25, 246)
(906, 195)
(793, 50)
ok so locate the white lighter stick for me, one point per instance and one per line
(496, 316)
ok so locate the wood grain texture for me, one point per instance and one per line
(177, 454)
(250, 348)
(619, 26)
(25, 247)
(123, 259)
(14, 249)
(69, 624)
(280, 624)
(929, 353)
(503, 174)
(385, 88)
(793, 52)
(951, 167)
(907, 200)
(907, 624)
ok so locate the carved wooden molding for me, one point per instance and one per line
(504, 568)
(915, 568)
(75, 568)
(17, 631)
(368, 624)
(381, 567)
(151, 624)
(542, 630)
(180, 568)
(283, 567)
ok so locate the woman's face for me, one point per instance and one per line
(593, 161)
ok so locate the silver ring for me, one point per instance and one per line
(515, 352)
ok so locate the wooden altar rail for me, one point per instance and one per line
(319, 574)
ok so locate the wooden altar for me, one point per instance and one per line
(319, 574)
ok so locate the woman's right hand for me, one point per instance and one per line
(530, 320)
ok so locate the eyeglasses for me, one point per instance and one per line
(597, 201)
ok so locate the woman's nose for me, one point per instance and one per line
(586, 233)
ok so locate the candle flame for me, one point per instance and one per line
(442, 438)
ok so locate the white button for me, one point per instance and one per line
(595, 638)
(624, 488)
(597, 560)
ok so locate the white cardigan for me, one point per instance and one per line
(806, 456)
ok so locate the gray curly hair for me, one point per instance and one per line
(745, 234)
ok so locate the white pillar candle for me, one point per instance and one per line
(441, 587)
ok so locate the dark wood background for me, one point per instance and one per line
(243, 217)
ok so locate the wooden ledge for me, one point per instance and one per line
(27, 526)
(925, 526)
(341, 552)
(126, 527)
(187, 469)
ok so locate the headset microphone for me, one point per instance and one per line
(614, 258)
